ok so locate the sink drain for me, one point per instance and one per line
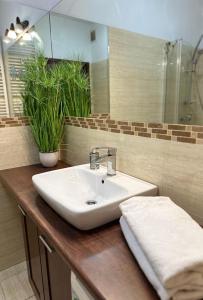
(91, 202)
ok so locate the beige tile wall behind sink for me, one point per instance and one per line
(177, 168)
(17, 148)
(136, 75)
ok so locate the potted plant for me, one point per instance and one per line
(76, 89)
(42, 104)
(51, 93)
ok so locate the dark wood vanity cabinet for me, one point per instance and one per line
(103, 265)
(55, 273)
(48, 274)
(32, 251)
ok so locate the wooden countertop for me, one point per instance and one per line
(100, 257)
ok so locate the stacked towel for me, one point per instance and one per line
(168, 245)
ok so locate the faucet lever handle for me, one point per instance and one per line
(112, 151)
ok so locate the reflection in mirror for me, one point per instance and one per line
(13, 52)
(152, 80)
(178, 89)
(184, 94)
(15, 56)
(136, 76)
(62, 39)
(132, 76)
(73, 40)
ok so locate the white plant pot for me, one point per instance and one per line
(49, 159)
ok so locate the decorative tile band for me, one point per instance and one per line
(170, 132)
(12, 122)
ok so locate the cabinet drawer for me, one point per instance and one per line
(49, 275)
(55, 273)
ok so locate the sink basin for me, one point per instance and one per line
(88, 198)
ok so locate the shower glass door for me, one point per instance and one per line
(178, 87)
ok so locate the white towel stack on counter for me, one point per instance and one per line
(168, 245)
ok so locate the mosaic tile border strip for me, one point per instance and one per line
(170, 132)
(12, 122)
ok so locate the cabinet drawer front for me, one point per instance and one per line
(32, 250)
(56, 274)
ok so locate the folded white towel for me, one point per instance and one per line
(168, 245)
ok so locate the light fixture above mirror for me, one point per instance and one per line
(6, 38)
(11, 33)
(19, 27)
(17, 30)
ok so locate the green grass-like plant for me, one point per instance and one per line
(75, 88)
(50, 94)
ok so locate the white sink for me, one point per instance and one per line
(68, 191)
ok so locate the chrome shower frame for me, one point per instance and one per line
(195, 58)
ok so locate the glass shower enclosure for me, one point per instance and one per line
(178, 83)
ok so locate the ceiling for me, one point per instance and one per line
(41, 4)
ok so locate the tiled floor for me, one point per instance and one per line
(14, 284)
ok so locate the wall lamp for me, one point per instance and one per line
(12, 33)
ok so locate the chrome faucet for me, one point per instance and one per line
(96, 159)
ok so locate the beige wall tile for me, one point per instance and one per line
(136, 72)
(17, 148)
(11, 240)
(176, 168)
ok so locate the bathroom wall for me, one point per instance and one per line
(175, 167)
(17, 148)
(136, 73)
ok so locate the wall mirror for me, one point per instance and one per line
(145, 76)
(61, 38)
(18, 43)
(87, 42)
